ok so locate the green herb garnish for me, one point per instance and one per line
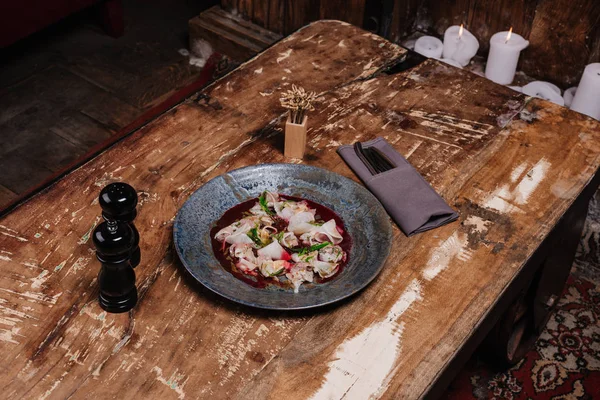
(319, 246)
(305, 250)
(262, 200)
(276, 272)
(253, 234)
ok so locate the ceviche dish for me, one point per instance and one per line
(281, 240)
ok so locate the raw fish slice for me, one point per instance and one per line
(274, 251)
(287, 209)
(324, 269)
(246, 266)
(258, 210)
(296, 257)
(328, 232)
(289, 240)
(308, 238)
(270, 268)
(242, 250)
(271, 198)
(237, 228)
(331, 254)
(237, 238)
(299, 223)
(299, 274)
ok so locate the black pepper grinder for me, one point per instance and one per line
(118, 201)
(114, 241)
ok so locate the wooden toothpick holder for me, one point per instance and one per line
(295, 138)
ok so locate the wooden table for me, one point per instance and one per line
(517, 170)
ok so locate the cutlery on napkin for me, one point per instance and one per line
(411, 202)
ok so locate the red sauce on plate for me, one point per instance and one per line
(237, 212)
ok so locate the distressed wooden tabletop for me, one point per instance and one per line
(510, 165)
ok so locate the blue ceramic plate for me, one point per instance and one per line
(364, 218)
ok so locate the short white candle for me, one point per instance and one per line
(460, 45)
(452, 62)
(568, 96)
(505, 48)
(429, 46)
(544, 90)
(552, 86)
(587, 97)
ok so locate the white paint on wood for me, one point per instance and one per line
(35, 297)
(174, 381)
(479, 224)
(441, 256)
(39, 280)
(84, 239)
(232, 347)
(510, 198)
(362, 365)
(517, 172)
(478, 128)
(11, 233)
(8, 335)
(284, 55)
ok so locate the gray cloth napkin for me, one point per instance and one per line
(406, 196)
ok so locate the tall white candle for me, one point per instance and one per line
(429, 46)
(587, 96)
(505, 48)
(459, 45)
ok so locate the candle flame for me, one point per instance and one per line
(508, 35)
(460, 31)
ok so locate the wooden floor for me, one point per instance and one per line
(71, 86)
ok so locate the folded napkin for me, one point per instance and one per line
(406, 196)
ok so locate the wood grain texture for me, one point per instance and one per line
(563, 39)
(286, 16)
(230, 34)
(511, 166)
(6, 195)
(351, 11)
(58, 340)
(404, 18)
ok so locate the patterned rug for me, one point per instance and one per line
(565, 363)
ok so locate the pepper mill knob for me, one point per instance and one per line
(114, 240)
(119, 201)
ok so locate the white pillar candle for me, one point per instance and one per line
(452, 62)
(429, 46)
(568, 96)
(544, 90)
(460, 45)
(505, 48)
(552, 86)
(587, 97)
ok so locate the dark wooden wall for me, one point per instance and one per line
(286, 16)
(564, 34)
